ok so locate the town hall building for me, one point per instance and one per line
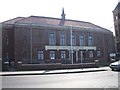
(45, 40)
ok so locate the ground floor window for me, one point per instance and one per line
(63, 54)
(40, 55)
(90, 54)
(52, 55)
(98, 53)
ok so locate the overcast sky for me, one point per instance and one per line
(98, 12)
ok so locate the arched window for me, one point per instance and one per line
(81, 40)
(90, 40)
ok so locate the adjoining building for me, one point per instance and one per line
(116, 16)
(41, 40)
(0, 41)
(0, 46)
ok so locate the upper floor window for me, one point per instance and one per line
(90, 40)
(73, 38)
(116, 17)
(52, 39)
(81, 40)
(62, 39)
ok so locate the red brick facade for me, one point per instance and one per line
(23, 38)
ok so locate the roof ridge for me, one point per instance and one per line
(12, 19)
(21, 19)
(59, 19)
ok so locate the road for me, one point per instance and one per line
(101, 79)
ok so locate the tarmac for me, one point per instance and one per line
(46, 72)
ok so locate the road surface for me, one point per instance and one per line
(101, 79)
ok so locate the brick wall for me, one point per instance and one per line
(40, 38)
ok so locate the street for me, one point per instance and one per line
(100, 79)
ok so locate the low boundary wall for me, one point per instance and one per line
(56, 66)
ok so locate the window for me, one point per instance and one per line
(90, 54)
(116, 17)
(52, 55)
(98, 53)
(73, 39)
(90, 40)
(62, 39)
(52, 39)
(40, 55)
(62, 54)
(119, 30)
(81, 40)
(116, 30)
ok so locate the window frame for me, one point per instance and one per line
(52, 55)
(62, 39)
(90, 40)
(73, 39)
(52, 39)
(91, 54)
(63, 55)
(82, 40)
(40, 55)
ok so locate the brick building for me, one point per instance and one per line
(116, 15)
(0, 46)
(41, 40)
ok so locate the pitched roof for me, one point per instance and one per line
(57, 21)
(14, 20)
(117, 7)
(51, 21)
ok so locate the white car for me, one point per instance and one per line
(115, 65)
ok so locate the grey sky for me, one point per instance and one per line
(98, 12)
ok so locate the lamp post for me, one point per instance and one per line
(30, 42)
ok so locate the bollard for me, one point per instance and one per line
(6, 66)
(96, 63)
(19, 66)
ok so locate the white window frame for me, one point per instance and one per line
(81, 40)
(91, 54)
(52, 55)
(62, 39)
(63, 54)
(40, 55)
(98, 53)
(73, 39)
(90, 40)
(52, 38)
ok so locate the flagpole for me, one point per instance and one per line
(71, 45)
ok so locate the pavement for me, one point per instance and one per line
(46, 72)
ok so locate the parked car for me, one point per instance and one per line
(115, 65)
